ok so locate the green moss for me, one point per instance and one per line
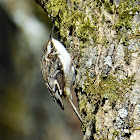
(110, 88)
(115, 134)
(75, 17)
(56, 7)
(68, 19)
(125, 13)
(108, 6)
(86, 30)
(127, 55)
(87, 111)
(103, 19)
(135, 35)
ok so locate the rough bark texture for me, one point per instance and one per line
(103, 36)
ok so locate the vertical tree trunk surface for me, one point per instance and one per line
(103, 36)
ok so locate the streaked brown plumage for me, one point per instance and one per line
(57, 72)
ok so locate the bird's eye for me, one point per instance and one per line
(51, 46)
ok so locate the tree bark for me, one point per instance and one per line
(103, 36)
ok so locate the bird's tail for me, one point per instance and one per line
(75, 110)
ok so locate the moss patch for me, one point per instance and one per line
(125, 12)
(110, 88)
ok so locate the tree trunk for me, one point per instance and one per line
(103, 36)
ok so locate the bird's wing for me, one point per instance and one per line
(52, 71)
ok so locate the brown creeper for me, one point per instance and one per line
(58, 72)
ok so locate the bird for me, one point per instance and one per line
(58, 72)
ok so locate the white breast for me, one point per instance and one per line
(63, 55)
